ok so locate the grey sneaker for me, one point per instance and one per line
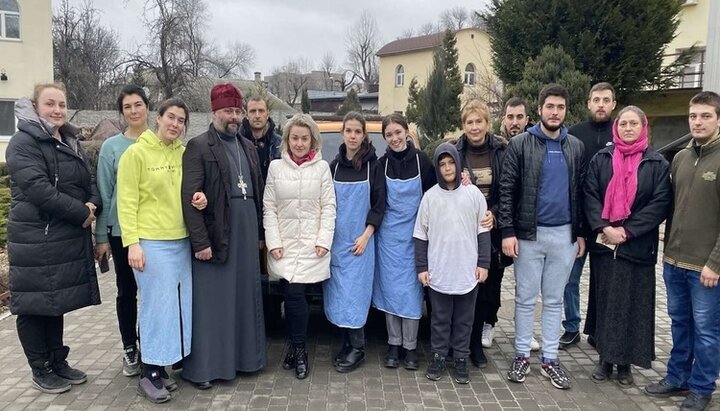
(131, 362)
(45, 380)
(151, 387)
(519, 369)
(556, 373)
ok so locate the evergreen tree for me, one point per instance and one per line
(435, 108)
(305, 102)
(618, 41)
(553, 65)
(351, 103)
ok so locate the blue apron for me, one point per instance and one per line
(348, 291)
(396, 289)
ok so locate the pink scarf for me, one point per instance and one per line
(621, 190)
(304, 159)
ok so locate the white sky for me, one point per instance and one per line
(280, 30)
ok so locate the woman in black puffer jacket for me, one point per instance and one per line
(54, 202)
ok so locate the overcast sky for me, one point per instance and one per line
(279, 30)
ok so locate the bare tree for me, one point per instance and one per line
(289, 80)
(428, 28)
(407, 33)
(455, 18)
(327, 66)
(86, 54)
(178, 51)
(362, 42)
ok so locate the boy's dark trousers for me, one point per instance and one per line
(452, 317)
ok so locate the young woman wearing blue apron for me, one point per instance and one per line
(360, 198)
(408, 174)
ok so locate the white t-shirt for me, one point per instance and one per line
(450, 222)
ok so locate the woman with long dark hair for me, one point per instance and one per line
(360, 197)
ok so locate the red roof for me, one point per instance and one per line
(411, 44)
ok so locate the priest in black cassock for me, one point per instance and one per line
(228, 327)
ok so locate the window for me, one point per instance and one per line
(399, 76)
(469, 74)
(7, 118)
(9, 19)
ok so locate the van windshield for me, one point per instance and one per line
(331, 142)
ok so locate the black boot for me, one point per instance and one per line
(62, 369)
(301, 362)
(352, 360)
(477, 356)
(45, 379)
(410, 362)
(344, 350)
(289, 361)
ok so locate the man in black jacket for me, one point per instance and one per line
(596, 134)
(540, 219)
(259, 128)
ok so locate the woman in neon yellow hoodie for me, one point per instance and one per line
(151, 221)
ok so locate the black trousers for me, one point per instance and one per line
(451, 319)
(41, 338)
(126, 300)
(296, 311)
(488, 301)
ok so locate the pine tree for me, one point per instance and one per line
(305, 102)
(351, 103)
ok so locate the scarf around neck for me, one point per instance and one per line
(304, 159)
(621, 190)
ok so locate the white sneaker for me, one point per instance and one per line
(534, 345)
(488, 335)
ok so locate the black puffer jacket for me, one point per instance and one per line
(650, 208)
(520, 183)
(52, 270)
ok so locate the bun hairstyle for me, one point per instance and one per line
(365, 145)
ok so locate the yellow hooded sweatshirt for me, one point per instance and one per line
(148, 191)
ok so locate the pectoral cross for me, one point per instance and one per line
(242, 185)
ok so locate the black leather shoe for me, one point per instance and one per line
(410, 362)
(301, 362)
(203, 385)
(569, 338)
(602, 371)
(392, 358)
(352, 360)
(477, 357)
(695, 402)
(624, 376)
(664, 389)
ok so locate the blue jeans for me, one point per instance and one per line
(571, 296)
(695, 313)
(544, 265)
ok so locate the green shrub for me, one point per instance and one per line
(91, 149)
(4, 170)
(4, 211)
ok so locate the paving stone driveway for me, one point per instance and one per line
(95, 347)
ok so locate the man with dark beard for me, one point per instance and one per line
(596, 134)
(515, 119)
(228, 327)
(540, 207)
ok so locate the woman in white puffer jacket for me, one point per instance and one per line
(299, 219)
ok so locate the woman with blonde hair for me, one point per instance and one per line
(299, 220)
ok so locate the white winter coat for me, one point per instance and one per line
(298, 215)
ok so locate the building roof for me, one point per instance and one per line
(411, 44)
(315, 95)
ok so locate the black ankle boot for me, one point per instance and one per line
(301, 362)
(344, 350)
(392, 358)
(45, 380)
(352, 360)
(289, 361)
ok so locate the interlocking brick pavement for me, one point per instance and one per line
(95, 347)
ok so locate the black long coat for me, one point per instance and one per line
(52, 270)
(206, 168)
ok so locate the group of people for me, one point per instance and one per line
(187, 227)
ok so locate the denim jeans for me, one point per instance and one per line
(571, 296)
(695, 314)
(544, 265)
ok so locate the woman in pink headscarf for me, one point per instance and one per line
(627, 195)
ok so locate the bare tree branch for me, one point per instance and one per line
(362, 42)
(455, 18)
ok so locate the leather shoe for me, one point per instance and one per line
(602, 371)
(289, 361)
(664, 389)
(478, 358)
(410, 362)
(695, 402)
(624, 376)
(203, 385)
(392, 358)
(351, 361)
(301, 362)
(346, 347)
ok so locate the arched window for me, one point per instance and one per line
(9, 19)
(399, 76)
(469, 74)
